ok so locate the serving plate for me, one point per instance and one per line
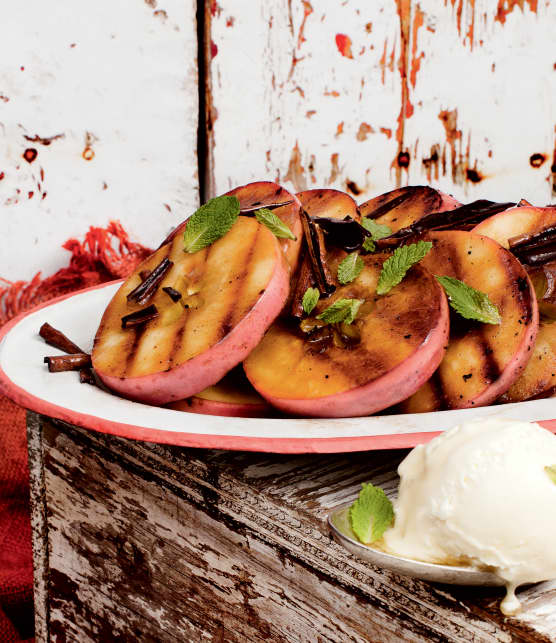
(25, 379)
(338, 521)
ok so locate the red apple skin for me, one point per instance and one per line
(413, 203)
(171, 381)
(516, 221)
(222, 409)
(232, 396)
(365, 382)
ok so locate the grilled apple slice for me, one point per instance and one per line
(231, 293)
(539, 377)
(402, 336)
(232, 396)
(261, 194)
(402, 207)
(328, 203)
(482, 360)
(516, 222)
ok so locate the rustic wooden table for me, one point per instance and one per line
(144, 542)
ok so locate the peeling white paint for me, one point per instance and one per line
(118, 78)
(290, 106)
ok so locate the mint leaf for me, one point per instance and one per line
(395, 267)
(310, 299)
(274, 224)
(342, 310)
(377, 230)
(371, 514)
(210, 222)
(369, 245)
(551, 472)
(350, 268)
(468, 302)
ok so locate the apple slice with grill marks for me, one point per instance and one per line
(402, 207)
(264, 194)
(539, 377)
(514, 222)
(231, 293)
(401, 335)
(232, 396)
(482, 360)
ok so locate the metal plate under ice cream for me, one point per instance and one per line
(338, 521)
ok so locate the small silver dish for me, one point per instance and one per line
(338, 521)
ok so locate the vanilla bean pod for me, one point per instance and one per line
(147, 288)
(250, 210)
(317, 254)
(460, 218)
(140, 316)
(347, 234)
(175, 295)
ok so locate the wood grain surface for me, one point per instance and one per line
(143, 542)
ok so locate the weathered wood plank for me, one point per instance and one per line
(157, 542)
(98, 121)
(366, 96)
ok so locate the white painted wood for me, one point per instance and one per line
(290, 107)
(281, 88)
(490, 76)
(116, 83)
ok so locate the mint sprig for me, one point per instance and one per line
(350, 268)
(468, 302)
(551, 472)
(377, 230)
(342, 310)
(395, 267)
(371, 514)
(210, 222)
(274, 224)
(369, 245)
(310, 299)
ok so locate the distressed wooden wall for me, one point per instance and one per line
(98, 121)
(365, 96)
(99, 107)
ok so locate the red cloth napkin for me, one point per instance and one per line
(105, 254)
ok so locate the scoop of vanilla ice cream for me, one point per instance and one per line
(479, 494)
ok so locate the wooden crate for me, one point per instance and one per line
(143, 542)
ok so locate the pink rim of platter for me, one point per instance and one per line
(25, 379)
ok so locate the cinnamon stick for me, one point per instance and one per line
(59, 363)
(86, 376)
(56, 338)
(140, 316)
(147, 288)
